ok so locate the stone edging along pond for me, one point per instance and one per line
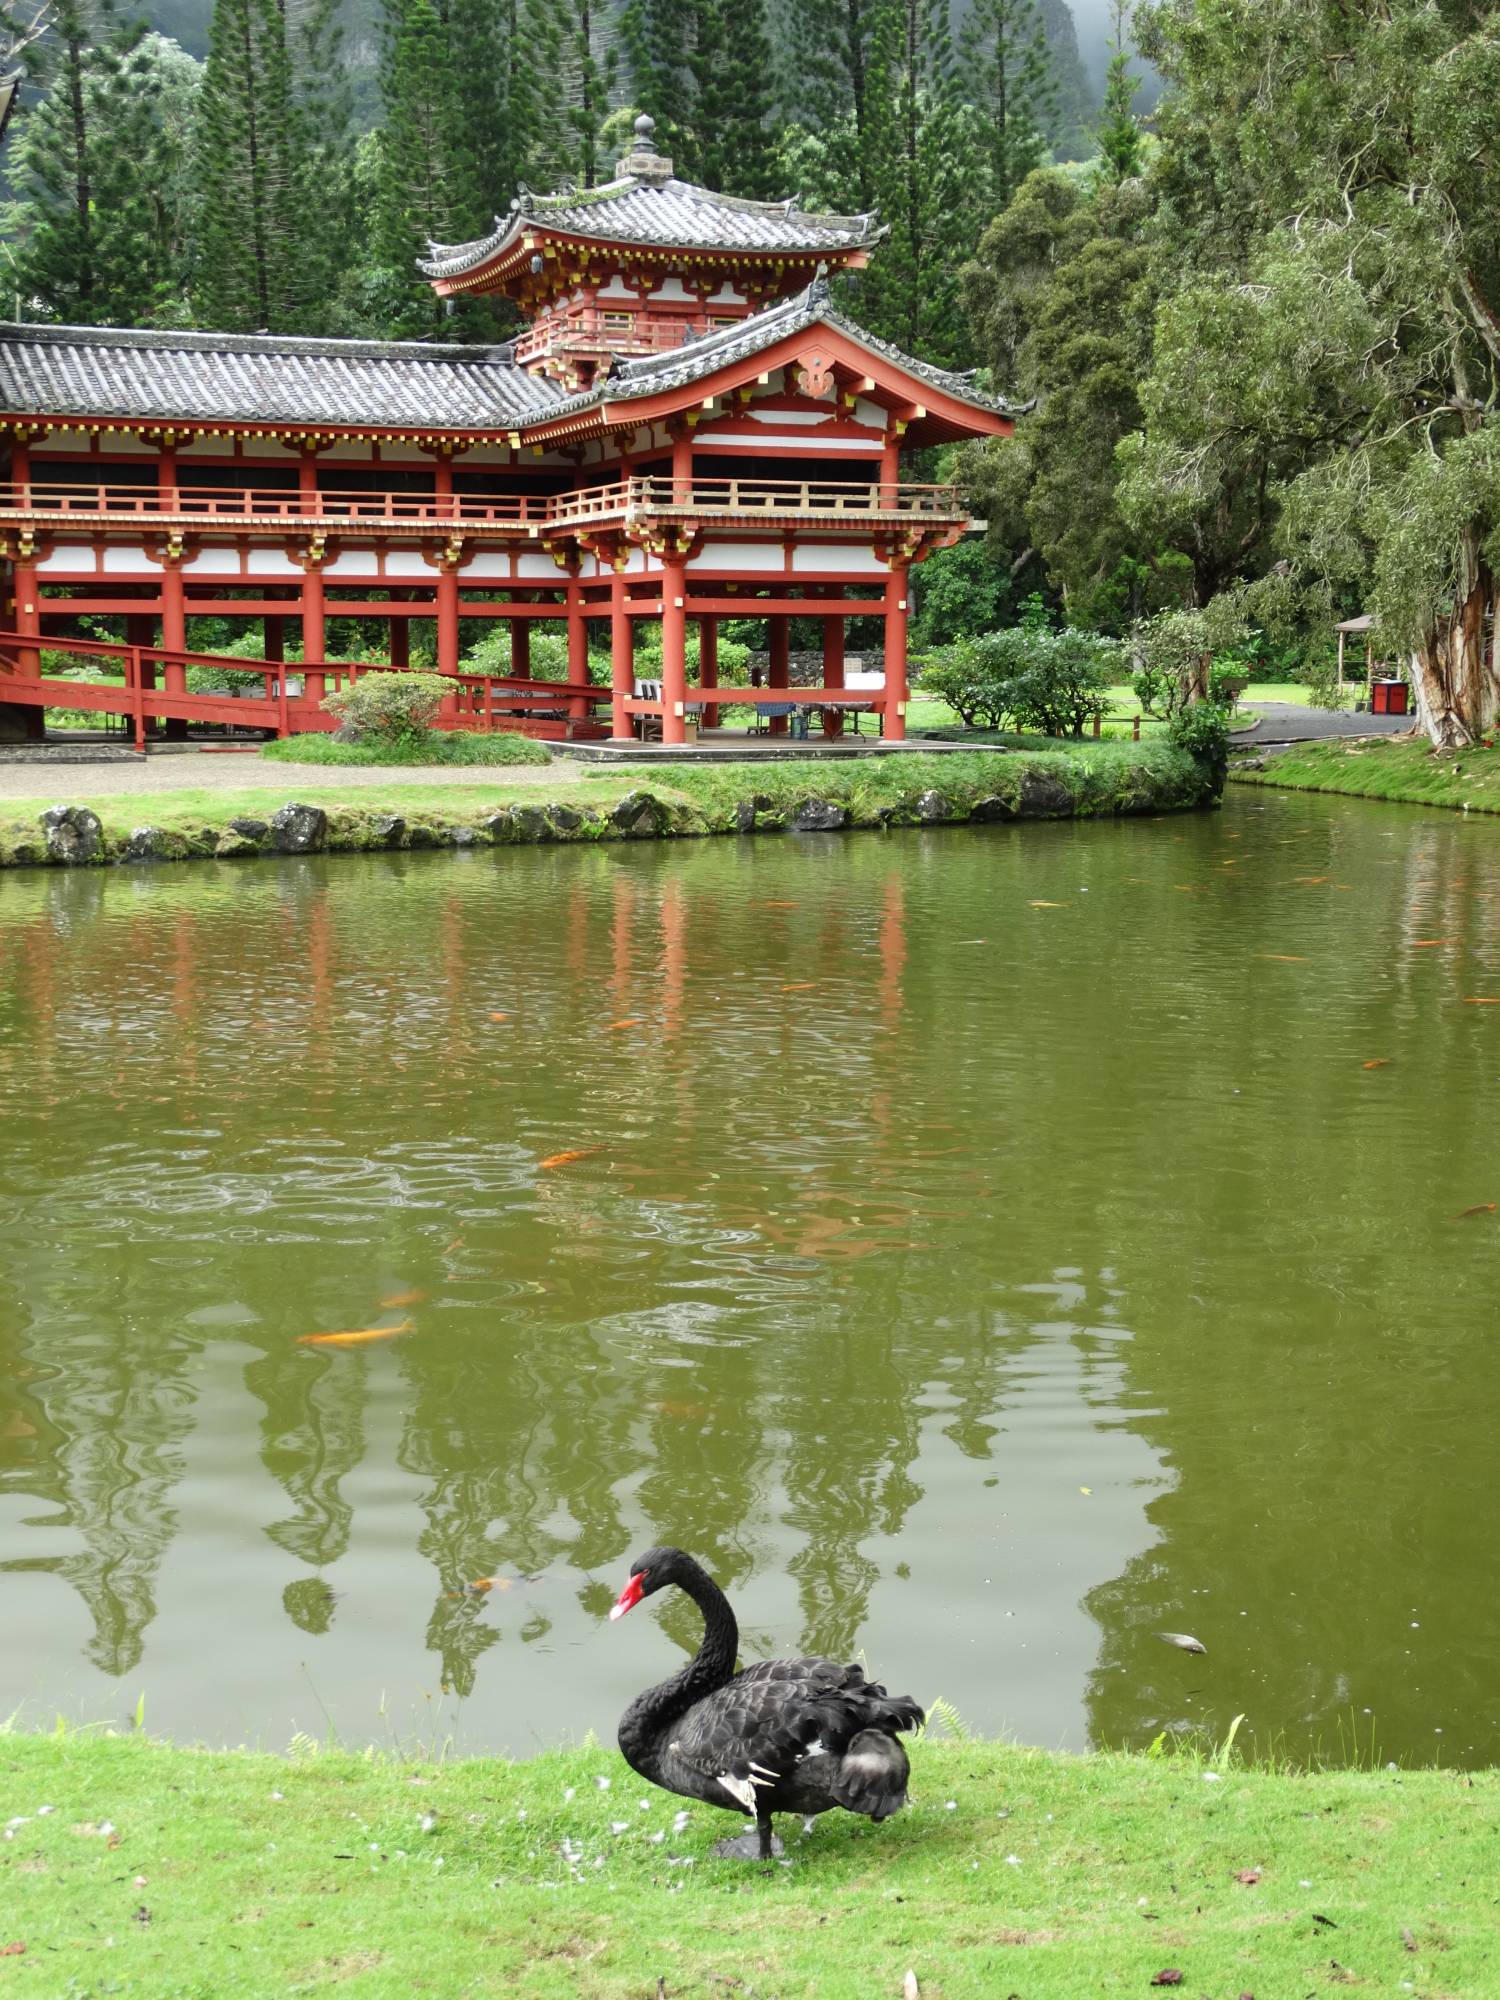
(973, 790)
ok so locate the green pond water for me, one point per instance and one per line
(989, 1249)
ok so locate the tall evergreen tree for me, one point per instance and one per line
(702, 69)
(1118, 129)
(1010, 80)
(91, 169)
(262, 260)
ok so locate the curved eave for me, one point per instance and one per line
(939, 417)
(509, 260)
(106, 422)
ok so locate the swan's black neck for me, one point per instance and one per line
(651, 1714)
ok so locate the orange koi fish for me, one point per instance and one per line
(1479, 1208)
(355, 1338)
(402, 1299)
(800, 986)
(1048, 906)
(567, 1158)
(1482, 1003)
(1281, 957)
(1378, 1062)
(630, 1021)
(499, 1017)
(1426, 944)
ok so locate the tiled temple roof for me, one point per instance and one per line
(187, 378)
(264, 378)
(671, 214)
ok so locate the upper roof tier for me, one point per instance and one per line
(647, 207)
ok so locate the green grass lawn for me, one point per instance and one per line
(1402, 769)
(134, 1869)
(451, 747)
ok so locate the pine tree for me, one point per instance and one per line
(90, 168)
(261, 260)
(702, 70)
(1012, 83)
(1118, 129)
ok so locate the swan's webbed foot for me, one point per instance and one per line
(761, 1845)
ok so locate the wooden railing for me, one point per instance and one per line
(95, 501)
(589, 327)
(154, 683)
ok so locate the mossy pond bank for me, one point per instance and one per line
(131, 1867)
(1086, 781)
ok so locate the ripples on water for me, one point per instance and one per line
(977, 1285)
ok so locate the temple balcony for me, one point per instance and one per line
(818, 504)
(589, 334)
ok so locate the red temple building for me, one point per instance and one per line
(688, 431)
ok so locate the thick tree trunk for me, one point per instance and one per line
(1455, 672)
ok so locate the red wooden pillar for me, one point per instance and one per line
(708, 666)
(273, 640)
(447, 637)
(20, 471)
(890, 466)
(682, 466)
(314, 633)
(895, 653)
(442, 485)
(578, 649)
(28, 616)
(20, 721)
(673, 649)
(166, 479)
(400, 642)
(520, 648)
(174, 640)
(140, 630)
(307, 482)
(621, 656)
(779, 665)
(833, 672)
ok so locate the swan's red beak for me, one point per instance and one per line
(629, 1597)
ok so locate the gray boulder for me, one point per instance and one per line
(389, 829)
(147, 843)
(298, 829)
(818, 816)
(463, 836)
(1044, 796)
(991, 808)
(500, 826)
(565, 819)
(744, 816)
(530, 823)
(639, 815)
(933, 807)
(73, 835)
(249, 829)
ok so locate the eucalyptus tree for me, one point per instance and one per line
(1327, 366)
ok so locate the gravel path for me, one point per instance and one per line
(192, 771)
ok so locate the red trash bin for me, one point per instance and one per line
(1390, 698)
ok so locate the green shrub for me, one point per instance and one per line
(1202, 730)
(1026, 678)
(392, 708)
(1228, 678)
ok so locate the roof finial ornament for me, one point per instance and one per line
(643, 162)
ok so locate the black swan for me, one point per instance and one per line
(796, 1736)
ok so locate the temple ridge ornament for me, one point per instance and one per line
(815, 373)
